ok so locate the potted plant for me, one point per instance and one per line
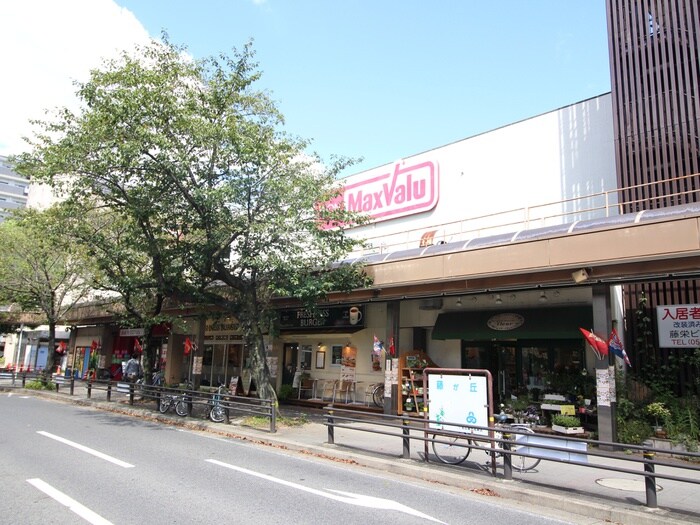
(566, 424)
(660, 414)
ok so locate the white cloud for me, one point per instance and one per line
(47, 45)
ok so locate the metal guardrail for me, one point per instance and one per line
(238, 404)
(19, 379)
(241, 405)
(545, 448)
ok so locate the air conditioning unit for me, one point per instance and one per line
(430, 304)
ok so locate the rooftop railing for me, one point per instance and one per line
(652, 195)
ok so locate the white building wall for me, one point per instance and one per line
(564, 154)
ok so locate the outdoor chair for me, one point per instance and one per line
(343, 389)
(328, 391)
(307, 389)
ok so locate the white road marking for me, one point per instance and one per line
(67, 501)
(89, 450)
(345, 497)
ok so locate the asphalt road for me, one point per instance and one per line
(66, 464)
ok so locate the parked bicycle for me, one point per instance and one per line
(217, 413)
(377, 394)
(179, 401)
(454, 449)
(142, 390)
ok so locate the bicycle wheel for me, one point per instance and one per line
(217, 414)
(378, 395)
(523, 463)
(448, 450)
(164, 404)
(181, 407)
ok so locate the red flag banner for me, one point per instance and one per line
(188, 346)
(93, 346)
(137, 345)
(599, 346)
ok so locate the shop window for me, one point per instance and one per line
(208, 355)
(535, 367)
(336, 355)
(306, 353)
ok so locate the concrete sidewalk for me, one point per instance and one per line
(595, 493)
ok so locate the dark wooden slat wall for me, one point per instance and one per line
(655, 78)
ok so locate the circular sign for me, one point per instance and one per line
(504, 322)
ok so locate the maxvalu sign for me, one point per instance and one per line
(678, 325)
(387, 194)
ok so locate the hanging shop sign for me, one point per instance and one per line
(331, 317)
(505, 322)
(678, 325)
(132, 332)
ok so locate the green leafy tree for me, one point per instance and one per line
(123, 277)
(222, 207)
(41, 270)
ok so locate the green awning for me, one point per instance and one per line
(534, 323)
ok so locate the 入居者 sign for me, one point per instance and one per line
(678, 325)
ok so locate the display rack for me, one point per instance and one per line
(413, 390)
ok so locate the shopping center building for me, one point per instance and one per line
(459, 244)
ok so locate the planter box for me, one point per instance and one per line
(567, 430)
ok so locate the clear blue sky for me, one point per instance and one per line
(384, 79)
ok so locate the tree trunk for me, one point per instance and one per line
(261, 372)
(48, 370)
(149, 355)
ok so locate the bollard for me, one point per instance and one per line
(406, 439)
(72, 385)
(132, 386)
(650, 481)
(273, 418)
(89, 389)
(331, 430)
(507, 457)
(109, 391)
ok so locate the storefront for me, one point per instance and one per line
(527, 350)
(332, 344)
(223, 352)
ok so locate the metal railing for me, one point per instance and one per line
(193, 398)
(19, 379)
(545, 447)
(264, 408)
(585, 207)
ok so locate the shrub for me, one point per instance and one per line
(36, 384)
(566, 421)
(658, 412)
(285, 392)
(633, 431)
